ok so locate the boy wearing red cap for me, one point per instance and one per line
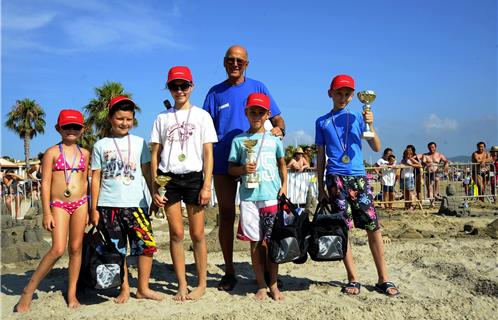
(338, 135)
(182, 140)
(119, 204)
(258, 202)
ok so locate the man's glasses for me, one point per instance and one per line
(72, 126)
(183, 86)
(232, 61)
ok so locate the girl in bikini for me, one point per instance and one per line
(65, 209)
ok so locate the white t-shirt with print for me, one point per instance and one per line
(182, 137)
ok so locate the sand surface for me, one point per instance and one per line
(442, 272)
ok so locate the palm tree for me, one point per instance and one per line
(27, 119)
(96, 111)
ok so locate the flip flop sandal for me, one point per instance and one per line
(227, 282)
(351, 285)
(384, 288)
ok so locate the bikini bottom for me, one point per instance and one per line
(69, 206)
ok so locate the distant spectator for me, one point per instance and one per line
(299, 162)
(407, 176)
(12, 190)
(434, 162)
(418, 172)
(309, 155)
(481, 160)
(388, 176)
(494, 171)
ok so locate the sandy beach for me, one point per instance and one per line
(442, 271)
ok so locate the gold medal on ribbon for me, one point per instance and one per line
(345, 159)
(182, 157)
(67, 193)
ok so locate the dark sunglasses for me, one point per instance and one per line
(232, 61)
(183, 86)
(72, 126)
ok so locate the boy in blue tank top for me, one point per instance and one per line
(258, 197)
(338, 135)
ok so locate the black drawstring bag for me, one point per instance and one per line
(288, 241)
(329, 235)
(102, 266)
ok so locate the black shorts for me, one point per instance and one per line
(184, 187)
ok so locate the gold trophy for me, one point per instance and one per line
(367, 97)
(252, 181)
(162, 181)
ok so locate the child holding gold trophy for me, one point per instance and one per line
(338, 136)
(182, 141)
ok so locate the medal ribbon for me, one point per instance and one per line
(182, 128)
(119, 151)
(67, 177)
(345, 145)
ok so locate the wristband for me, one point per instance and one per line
(283, 131)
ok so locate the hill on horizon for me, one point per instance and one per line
(464, 159)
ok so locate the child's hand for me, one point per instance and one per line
(48, 222)
(368, 117)
(160, 201)
(250, 167)
(283, 190)
(204, 196)
(94, 217)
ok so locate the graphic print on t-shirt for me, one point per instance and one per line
(180, 132)
(115, 168)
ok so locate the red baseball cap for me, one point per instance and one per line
(342, 80)
(258, 99)
(114, 101)
(179, 72)
(69, 116)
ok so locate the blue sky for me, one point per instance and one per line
(432, 63)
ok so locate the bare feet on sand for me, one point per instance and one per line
(149, 294)
(181, 295)
(196, 293)
(261, 294)
(124, 295)
(275, 294)
(24, 302)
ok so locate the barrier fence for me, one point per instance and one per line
(411, 188)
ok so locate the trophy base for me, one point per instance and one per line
(367, 135)
(252, 185)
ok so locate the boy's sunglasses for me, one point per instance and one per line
(184, 86)
(232, 61)
(72, 126)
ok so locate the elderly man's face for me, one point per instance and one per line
(235, 62)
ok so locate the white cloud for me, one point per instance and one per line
(88, 26)
(436, 123)
(298, 137)
(26, 21)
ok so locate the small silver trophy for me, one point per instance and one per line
(367, 97)
(252, 181)
(162, 181)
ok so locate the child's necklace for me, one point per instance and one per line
(126, 176)
(67, 177)
(182, 134)
(345, 158)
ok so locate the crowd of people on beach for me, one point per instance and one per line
(194, 146)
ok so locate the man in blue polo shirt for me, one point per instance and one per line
(225, 102)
